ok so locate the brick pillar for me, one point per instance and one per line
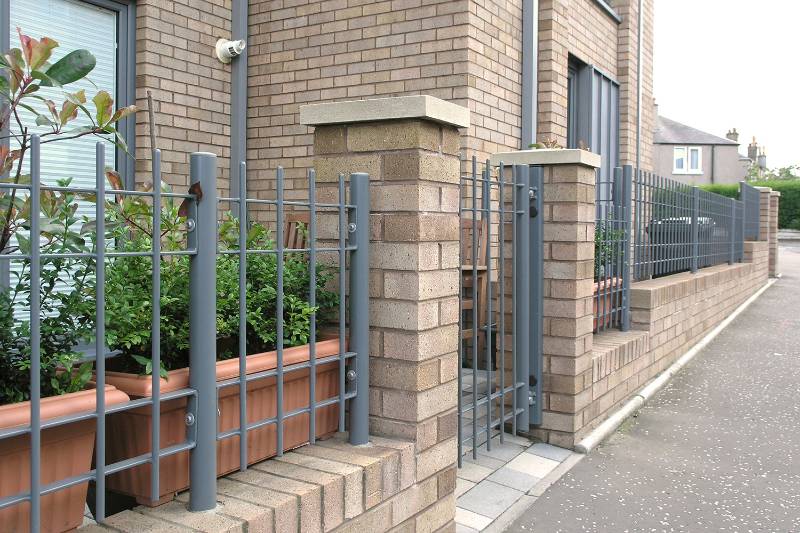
(774, 203)
(409, 146)
(764, 204)
(569, 181)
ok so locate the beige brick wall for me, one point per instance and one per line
(464, 51)
(668, 315)
(191, 88)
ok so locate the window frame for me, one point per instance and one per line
(687, 169)
(126, 74)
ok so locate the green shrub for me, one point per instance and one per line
(789, 210)
(731, 191)
(789, 207)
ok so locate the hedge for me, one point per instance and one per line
(789, 210)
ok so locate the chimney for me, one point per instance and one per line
(752, 151)
(733, 135)
(762, 159)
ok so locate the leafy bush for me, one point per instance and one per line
(129, 289)
(63, 313)
(608, 250)
(789, 207)
(730, 191)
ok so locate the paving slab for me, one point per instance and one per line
(533, 465)
(489, 498)
(549, 451)
(514, 479)
(474, 521)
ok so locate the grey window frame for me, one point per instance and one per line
(126, 73)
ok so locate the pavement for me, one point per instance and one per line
(509, 476)
(718, 449)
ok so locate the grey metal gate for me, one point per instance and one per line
(500, 308)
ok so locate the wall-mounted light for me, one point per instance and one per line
(227, 50)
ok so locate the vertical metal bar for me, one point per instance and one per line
(501, 330)
(523, 308)
(475, 324)
(155, 335)
(203, 331)
(460, 417)
(36, 429)
(342, 287)
(243, 226)
(312, 301)
(359, 308)
(279, 312)
(487, 216)
(537, 293)
(514, 294)
(731, 231)
(695, 228)
(100, 332)
(627, 177)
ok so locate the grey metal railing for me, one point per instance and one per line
(612, 250)
(202, 434)
(679, 227)
(667, 227)
(751, 199)
(500, 292)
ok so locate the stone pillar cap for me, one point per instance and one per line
(379, 109)
(548, 156)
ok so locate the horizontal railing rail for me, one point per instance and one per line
(308, 257)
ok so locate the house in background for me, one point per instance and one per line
(693, 156)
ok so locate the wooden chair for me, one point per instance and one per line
(474, 277)
(295, 230)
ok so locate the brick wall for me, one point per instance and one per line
(464, 51)
(191, 88)
(668, 316)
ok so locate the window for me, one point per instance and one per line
(106, 29)
(687, 160)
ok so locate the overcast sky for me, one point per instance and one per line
(721, 64)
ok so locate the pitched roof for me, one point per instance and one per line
(670, 132)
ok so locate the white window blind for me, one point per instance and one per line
(73, 24)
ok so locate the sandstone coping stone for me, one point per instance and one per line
(548, 156)
(382, 109)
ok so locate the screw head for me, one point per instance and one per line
(190, 224)
(531, 193)
(351, 227)
(530, 399)
(351, 375)
(189, 419)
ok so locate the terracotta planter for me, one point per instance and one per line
(66, 451)
(129, 433)
(604, 302)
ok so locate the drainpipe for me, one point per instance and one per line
(639, 85)
(530, 69)
(713, 158)
(238, 95)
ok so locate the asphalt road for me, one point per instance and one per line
(717, 450)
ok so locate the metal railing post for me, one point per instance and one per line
(732, 232)
(522, 299)
(537, 290)
(695, 227)
(202, 331)
(625, 212)
(359, 306)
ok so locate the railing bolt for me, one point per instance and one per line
(190, 224)
(351, 375)
(351, 227)
(189, 419)
(532, 193)
(530, 399)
